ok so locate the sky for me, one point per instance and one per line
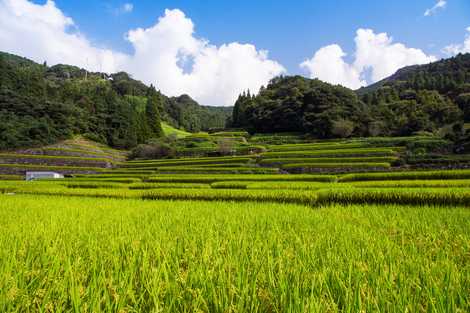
(215, 49)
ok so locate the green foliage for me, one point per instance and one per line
(216, 170)
(349, 152)
(41, 105)
(421, 98)
(200, 247)
(185, 113)
(154, 102)
(208, 179)
(297, 104)
(450, 174)
(281, 161)
(317, 166)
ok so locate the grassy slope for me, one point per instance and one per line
(70, 156)
(168, 130)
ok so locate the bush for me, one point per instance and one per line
(153, 150)
(342, 128)
(421, 146)
(225, 146)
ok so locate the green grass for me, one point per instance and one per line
(51, 168)
(408, 175)
(217, 170)
(50, 157)
(207, 179)
(169, 130)
(414, 196)
(185, 162)
(412, 183)
(356, 165)
(316, 146)
(134, 239)
(332, 153)
(281, 161)
(104, 255)
(11, 177)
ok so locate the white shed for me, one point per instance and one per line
(43, 175)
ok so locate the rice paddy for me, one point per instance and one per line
(241, 234)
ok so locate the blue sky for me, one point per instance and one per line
(290, 30)
(215, 49)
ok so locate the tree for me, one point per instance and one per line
(154, 100)
(342, 128)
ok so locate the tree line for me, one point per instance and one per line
(40, 105)
(433, 98)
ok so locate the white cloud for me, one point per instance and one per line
(128, 7)
(441, 4)
(328, 64)
(464, 47)
(375, 58)
(216, 77)
(120, 10)
(44, 33)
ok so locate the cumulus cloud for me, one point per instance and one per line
(441, 4)
(375, 58)
(328, 64)
(464, 47)
(217, 74)
(161, 55)
(44, 33)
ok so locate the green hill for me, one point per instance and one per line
(432, 98)
(42, 105)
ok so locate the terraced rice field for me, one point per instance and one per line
(241, 234)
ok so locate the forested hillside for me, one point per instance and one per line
(432, 98)
(42, 105)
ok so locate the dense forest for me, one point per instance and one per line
(41, 105)
(433, 98)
